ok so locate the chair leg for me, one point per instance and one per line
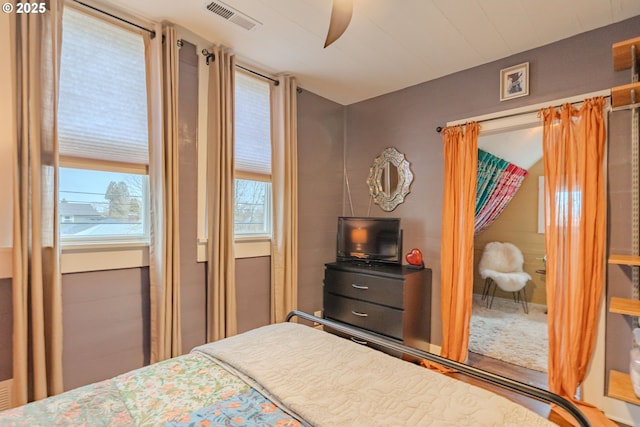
(493, 295)
(525, 306)
(485, 290)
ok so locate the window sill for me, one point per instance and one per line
(252, 248)
(241, 248)
(98, 257)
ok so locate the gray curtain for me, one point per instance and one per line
(221, 286)
(284, 181)
(37, 296)
(164, 251)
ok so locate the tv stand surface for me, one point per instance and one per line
(389, 299)
(373, 267)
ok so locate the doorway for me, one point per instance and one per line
(523, 117)
(500, 331)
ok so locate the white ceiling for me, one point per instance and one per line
(390, 44)
(522, 147)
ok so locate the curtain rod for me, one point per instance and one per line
(151, 32)
(275, 82)
(520, 113)
(211, 57)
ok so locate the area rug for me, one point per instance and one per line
(506, 333)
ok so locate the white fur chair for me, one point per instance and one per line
(501, 265)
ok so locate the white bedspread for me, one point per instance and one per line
(330, 381)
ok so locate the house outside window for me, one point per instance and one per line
(102, 205)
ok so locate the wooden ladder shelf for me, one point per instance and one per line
(625, 94)
(622, 53)
(625, 55)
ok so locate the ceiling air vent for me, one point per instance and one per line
(232, 15)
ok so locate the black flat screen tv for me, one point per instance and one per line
(363, 239)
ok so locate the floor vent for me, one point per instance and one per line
(5, 394)
(232, 15)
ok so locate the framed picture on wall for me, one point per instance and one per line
(514, 81)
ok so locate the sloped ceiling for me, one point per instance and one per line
(522, 147)
(390, 44)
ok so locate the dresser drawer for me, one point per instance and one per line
(374, 317)
(374, 289)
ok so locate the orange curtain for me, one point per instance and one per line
(456, 250)
(574, 149)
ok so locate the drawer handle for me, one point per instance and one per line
(357, 341)
(356, 286)
(357, 313)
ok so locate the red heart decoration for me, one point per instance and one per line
(414, 257)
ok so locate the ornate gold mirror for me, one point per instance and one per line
(389, 179)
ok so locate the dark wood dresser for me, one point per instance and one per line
(391, 300)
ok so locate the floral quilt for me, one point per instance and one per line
(189, 390)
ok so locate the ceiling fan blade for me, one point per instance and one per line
(341, 11)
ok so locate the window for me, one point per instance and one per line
(103, 206)
(568, 206)
(252, 208)
(103, 132)
(252, 216)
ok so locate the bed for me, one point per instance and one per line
(288, 375)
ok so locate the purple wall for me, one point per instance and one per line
(320, 192)
(253, 292)
(105, 324)
(6, 326)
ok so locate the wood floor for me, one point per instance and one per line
(515, 372)
(518, 373)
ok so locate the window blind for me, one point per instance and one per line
(252, 125)
(102, 111)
